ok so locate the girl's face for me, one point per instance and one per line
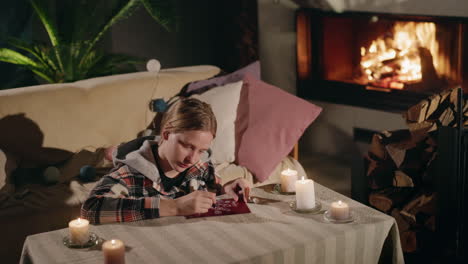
(180, 151)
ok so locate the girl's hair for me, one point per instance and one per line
(189, 114)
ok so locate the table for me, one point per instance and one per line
(272, 233)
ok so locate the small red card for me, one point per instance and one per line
(225, 207)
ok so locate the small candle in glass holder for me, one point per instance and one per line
(79, 231)
(114, 251)
(339, 210)
(288, 180)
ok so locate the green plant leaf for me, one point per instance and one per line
(11, 56)
(35, 50)
(163, 11)
(43, 76)
(46, 21)
(50, 27)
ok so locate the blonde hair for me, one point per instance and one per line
(188, 114)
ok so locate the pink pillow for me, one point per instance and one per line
(269, 123)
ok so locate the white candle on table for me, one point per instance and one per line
(114, 251)
(79, 231)
(305, 194)
(288, 180)
(339, 210)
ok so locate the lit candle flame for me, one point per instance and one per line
(339, 202)
(79, 220)
(113, 242)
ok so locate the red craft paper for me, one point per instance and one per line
(225, 207)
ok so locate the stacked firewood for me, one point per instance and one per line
(415, 214)
(400, 169)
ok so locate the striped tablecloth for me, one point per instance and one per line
(272, 233)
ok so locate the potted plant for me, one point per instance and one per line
(74, 34)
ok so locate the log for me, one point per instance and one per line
(386, 199)
(408, 241)
(420, 202)
(423, 110)
(381, 202)
(377, 148)
(401, 222)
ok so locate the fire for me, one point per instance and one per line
(393, 60)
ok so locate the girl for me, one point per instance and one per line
(165, 175)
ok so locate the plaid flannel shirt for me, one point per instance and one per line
(120, 196)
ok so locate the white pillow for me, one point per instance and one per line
(224, 101)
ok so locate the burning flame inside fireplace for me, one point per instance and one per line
(393, 60)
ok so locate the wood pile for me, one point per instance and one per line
(400, 169)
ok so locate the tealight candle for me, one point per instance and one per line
(305, 194)
(114, 251)
(339, 210)
(79, 231)
(288, 180)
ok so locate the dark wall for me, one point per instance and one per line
(191, 44)
(216, 32)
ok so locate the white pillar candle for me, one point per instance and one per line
(339, 210)
(288, 180)
(114, 251)
(305, 194)
(79, 231)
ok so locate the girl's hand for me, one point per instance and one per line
(195, 202)
(238, 187)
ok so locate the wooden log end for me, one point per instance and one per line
(381, 202)
(408, 241)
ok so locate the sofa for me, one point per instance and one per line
(69, 125)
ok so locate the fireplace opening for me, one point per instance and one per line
(379, 61)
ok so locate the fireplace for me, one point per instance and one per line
(379, 61)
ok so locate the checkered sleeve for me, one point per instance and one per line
(114, 200)
(204, 173)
